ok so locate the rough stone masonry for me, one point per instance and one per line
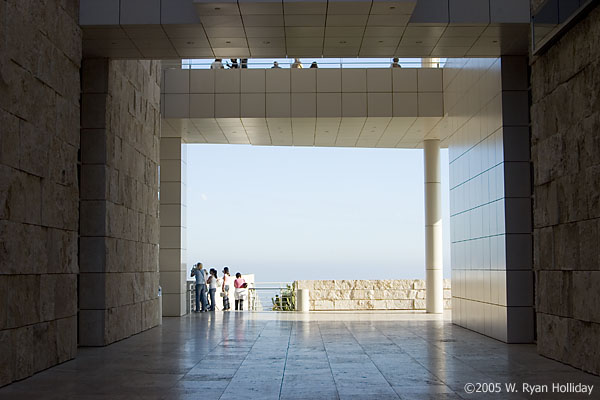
(40, 53)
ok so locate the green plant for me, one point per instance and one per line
(286, 300)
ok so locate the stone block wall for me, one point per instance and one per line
(120, 128)
(566, 155)
(398, 294)
(40, 54)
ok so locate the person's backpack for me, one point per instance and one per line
(193, 272)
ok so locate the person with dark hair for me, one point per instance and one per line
(225, 288)
(212, 288)
(314, 65)
(395, 64)
(241, 291)
(244, 63)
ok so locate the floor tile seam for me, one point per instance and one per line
(337, 393)
(370, 359)
(431, 344)
(246, 356)
(418, 362)
(285, 362)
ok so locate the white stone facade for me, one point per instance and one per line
(389, 294)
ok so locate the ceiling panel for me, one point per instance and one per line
(348, 7)
(304, 7)
(347, 20)
(263, 20)
(222, 7)
(249, 7)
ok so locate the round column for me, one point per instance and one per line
(433, 227)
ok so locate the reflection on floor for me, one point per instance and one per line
(295, 356)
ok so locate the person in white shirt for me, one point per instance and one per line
(225, 288)
(395, 63)
(217, 64)
(212, 288)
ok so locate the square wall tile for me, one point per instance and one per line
(253, 105)
(354, 80)
(405, 104)
(177, 81)
(518, 215)
(177, 106)
(140, 12)
(431, 105)
(430, 79)
(519, 288)
(509, 11)
(329, 104)
(517, 179)
(379, 80)
(202, 80)
(253, 80)
(277, 80)
(515, 108)
(227, 105)
(202, 105)
(469, 11)
(304, 104)
(99, 12)
(304, 80)
(278, 104)
(329, 80)
(227, 81)
(354, 104)
(379, 104)
(520, 325)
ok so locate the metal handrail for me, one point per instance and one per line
(284, 63)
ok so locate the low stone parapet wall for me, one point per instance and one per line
(396, 294)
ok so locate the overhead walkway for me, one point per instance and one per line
(350, 107)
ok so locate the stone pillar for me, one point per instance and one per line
(119, 227)
(433, 227)
(173, 238)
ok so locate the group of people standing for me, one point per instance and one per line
(207, 284)
(233, 64)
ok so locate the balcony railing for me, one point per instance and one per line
(265, 63)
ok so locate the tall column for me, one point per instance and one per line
(433, 227)
(173, 238)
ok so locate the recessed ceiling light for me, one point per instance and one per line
(266, 42)
(217, 8)
(381, 41)
(494, 41)
(189, 42)
(419, 42)
(228, 41)
(343, 42)
(392, 7)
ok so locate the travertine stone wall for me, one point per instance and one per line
(40, 54)
(119, 199)
(392, 294)
(566, 155)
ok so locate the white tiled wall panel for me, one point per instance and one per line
(406, 92)
(490, 195)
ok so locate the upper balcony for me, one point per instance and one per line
(356, 107)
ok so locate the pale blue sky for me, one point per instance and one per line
(287, 213)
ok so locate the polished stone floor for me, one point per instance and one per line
(302, 356)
